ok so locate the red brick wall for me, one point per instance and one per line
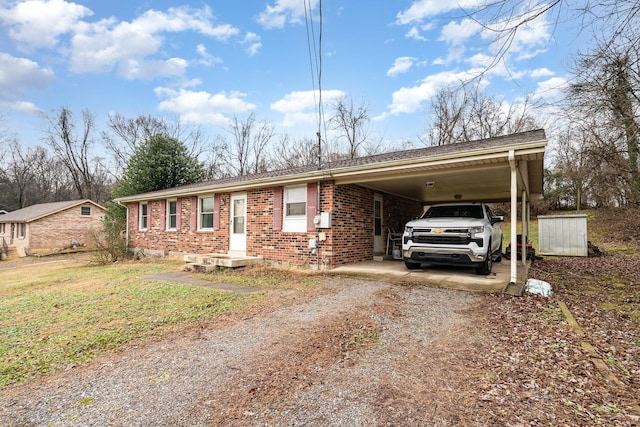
(186, 238)
(57, 230)
(349, 239)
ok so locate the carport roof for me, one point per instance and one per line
(475, 170)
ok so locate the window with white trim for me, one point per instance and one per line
(85, 210)
(172, 214)
(205, 213)
(295, 209)
(144, 216)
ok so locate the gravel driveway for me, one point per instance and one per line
(351, 352)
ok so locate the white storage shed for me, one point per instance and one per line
(563, 235)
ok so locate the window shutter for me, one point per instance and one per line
(216, 211)
(134, 214)
(277, 208)
(312, 209)
(178, 213)
(194, 213)
(163, 214)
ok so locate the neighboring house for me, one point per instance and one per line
(50, 225)
(337, 214)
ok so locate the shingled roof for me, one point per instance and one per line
(34, 212)
(329, 168)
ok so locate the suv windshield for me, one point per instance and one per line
(454, 212)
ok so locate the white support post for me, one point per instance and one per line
(525, 227)
(514, 216)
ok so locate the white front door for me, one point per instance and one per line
(238, 226)
(378, 242)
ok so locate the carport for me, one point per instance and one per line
(502, 169)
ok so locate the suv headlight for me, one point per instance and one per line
(408, 230)
(476, 230)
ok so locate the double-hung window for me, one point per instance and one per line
(295, 209)
(172, 214)
(205, 210)
(144, 216)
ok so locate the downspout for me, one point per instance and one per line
(514, 216)
(318, 210)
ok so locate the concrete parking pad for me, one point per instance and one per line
(438, 276)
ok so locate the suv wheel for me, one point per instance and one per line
(485, 267)
(411, 265)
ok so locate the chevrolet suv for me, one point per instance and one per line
(465, 234)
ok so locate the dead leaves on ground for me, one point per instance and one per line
(536, 371)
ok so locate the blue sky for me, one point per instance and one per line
(205, 62)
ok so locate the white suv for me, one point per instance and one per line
(466, 234)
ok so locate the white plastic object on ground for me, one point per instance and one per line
(539, 287)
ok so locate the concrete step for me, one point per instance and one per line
(211, 262)
(11, 253)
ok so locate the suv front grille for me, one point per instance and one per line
(446, 240)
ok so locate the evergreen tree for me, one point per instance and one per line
(160, 162)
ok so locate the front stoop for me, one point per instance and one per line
(211, 262)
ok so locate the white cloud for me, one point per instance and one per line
(253, 40)
(203, 107)
(300, 106)
(284, 12)
(541, 72)
(150, 69)
(17, 74)
(414, 33)
(39, 23)
(550, 89)
(24, 107)
(527, 41)
(401, 65)
(207, 59)
(411, 99)
(455, 33)
(421, 9)
(104, 45)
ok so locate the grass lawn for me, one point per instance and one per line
(58, 314)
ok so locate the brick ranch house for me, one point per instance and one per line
(337, 214)
(49, 226)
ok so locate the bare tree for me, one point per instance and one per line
(289, 154)
(73, 148)
(506, 19)
(32, 176)
(248, 148)
(351, 122)
(470, 114)
(604, 99)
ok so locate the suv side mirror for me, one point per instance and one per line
(497, 218)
